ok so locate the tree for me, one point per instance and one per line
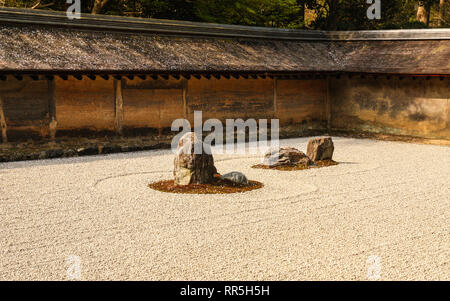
(272, 13)
(441, 13)
(421, 13)
(98, 5)
(424, 10)
(322, 14)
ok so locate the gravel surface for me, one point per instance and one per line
(385, 199)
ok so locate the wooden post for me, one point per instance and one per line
(159, 118)
(328, 104)
(52, 109)
(118, 106)
(3, 122)
(185, 86)
(275, 100)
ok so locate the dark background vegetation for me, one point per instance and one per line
(303, 14)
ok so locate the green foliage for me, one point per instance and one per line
(326, 14)
(273, 13)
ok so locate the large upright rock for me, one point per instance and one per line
(320, 149)
(190, 167)
(285, 156)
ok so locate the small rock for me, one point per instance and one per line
(32, 156)
(110, 149)
(285, 156)
(320, 148)
(236, 177)
(42, 155)
(69, 153)
(54, 153)
(88, 151)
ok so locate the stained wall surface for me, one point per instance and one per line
(231, 98)
(25, 106)
(396, 106)
(301, 101)
(85, 104)
(151, 103)
(392, 105)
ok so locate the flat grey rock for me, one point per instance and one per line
(237, 177)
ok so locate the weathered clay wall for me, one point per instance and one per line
(299, 104)
(84, 104)
(151, 103)
(230, 98)
(403, 107)
(25, 107)
(302, 103)
(396, 106)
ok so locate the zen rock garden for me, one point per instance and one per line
(194, 170)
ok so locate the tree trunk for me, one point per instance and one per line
(304, 15)
(98, 5)
(421, 14)
(428, 14)
(332, 15)
(441, 13)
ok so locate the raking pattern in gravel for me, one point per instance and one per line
(387, 199)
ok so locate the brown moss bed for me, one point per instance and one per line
(219, 186)
(318, 164)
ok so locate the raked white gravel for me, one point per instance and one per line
(385, 199)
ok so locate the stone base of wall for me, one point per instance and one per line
(75, 147)
(389, 137)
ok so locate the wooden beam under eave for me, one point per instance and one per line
(118, 107)
(52, 109)
(185, 104)
(3, 122)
